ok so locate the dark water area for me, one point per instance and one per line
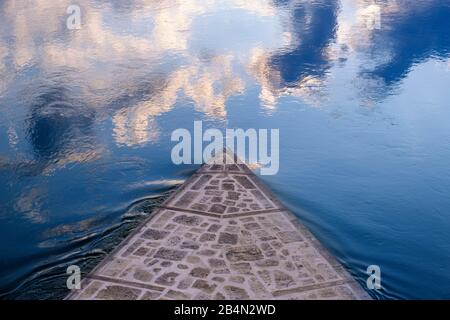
(359, 90)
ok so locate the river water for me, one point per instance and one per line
(358, 89)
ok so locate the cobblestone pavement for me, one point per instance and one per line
(222, 235)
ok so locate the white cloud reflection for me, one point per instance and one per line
(99, 58)
(124, 48)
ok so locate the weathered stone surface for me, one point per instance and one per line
(151, 295)
(228, 238)
(177, 295)
(170, 254)
(190, 245)
(90, 289)
(283, 280)
(245, 182)
(236, 293)
(142, 275)
(217, 208)
(188, 220)
(221, 271)
(207, 237)
(207, 252)
(186, 199)
(132, 247)
(217, 263)
(252, 226)
(201, 182)
(233, 195)
(173, 241)
(199, 207)
(245, 253)
(214, 228)
(153, 234)
(185, 283)
(167, 279)
(228, 186)
(216, 242)
(204, 286)
(194, 260)
(265, 276)
(232, 167)
(237, 279)
(218, 279)
(268, 263)
(290, 236)
(232, 210)
(219, 296)
(242, 268)
(142, 251)
(200, 272)
(116, 292)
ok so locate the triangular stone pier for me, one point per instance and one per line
(221, 235)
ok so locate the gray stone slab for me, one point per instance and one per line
(222, 235)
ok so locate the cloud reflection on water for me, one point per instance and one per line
(123, 47)
(134, 61)
(87, 96)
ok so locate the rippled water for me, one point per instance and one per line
(86, 117)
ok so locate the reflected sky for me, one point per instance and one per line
(86, 117)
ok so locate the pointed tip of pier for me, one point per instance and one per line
(221, 235)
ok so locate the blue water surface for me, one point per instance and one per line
(359, 90)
